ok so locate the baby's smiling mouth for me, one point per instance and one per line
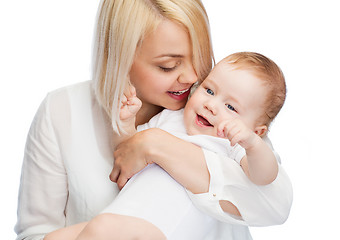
(203, 121)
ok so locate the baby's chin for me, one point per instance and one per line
(191, 132)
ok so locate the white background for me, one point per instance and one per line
(47, 44)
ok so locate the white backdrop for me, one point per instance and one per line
(47, 44)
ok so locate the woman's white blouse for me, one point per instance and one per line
(69, 156)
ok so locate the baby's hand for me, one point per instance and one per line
(236, 132)
(130, 104)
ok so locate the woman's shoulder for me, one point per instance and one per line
(66, 103)
(77, 93)
(76, 88)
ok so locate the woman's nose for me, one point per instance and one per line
(188, 75)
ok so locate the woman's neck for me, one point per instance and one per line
(146, 112)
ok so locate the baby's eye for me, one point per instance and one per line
(231, 107)
(209, 91)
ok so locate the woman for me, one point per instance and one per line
(69, 150)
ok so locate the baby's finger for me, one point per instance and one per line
(136, 102)
(232, 132)
(132, 90)
(222, 128)
(124, 100)
(235, 139)
(129, 91)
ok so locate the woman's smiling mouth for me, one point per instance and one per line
(179, 92)
(179, 95)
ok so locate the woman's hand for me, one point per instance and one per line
(130, 158)
(154, 145)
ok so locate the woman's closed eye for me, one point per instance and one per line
(167, 69)
(170, 66)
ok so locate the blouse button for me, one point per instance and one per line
(214, 194)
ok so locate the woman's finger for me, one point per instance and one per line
(121, 181)
(114, 174)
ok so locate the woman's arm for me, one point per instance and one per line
(184, 161)
(43, 187)
(212, 180)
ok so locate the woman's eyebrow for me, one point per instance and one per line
(170, 55)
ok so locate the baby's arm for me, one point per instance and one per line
(259, 163)
(130, 106)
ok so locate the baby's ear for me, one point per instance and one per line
(261, 130)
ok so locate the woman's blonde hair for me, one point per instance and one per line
(122, 26)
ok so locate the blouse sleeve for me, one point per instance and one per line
(43, 185)
(258, 205)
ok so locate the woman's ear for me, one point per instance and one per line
(261, 130)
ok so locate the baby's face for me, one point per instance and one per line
(226, 93)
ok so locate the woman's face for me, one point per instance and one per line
(162, 71)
